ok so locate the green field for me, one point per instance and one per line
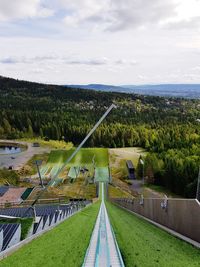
(55, 144)
(144, 245)
(86, 158)
(83, 157)
(63, 246)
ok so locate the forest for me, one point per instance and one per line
(168, 128)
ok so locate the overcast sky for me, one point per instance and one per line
(101, 41)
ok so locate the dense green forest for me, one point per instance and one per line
(167, 127)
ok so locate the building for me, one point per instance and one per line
(131, 169)
(36, 145)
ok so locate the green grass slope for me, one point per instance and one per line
(145, 245)
(83, 157)
(65, 245)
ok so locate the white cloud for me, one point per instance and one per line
(109, 15)
(8, 60)
(20, 9)
(69, 60)
(104, 41)
(186, 10)
(118, 15)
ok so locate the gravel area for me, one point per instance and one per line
(19, 159)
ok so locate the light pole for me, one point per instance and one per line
(39, 163)
(75, 152)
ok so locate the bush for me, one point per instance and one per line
(9, 177)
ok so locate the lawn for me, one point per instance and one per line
(51, 143)
(65, 245)
(144, 245)
(83, 157)
(126, 153)
(117, 192)
(78, 189)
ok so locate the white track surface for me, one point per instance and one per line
(103, 250)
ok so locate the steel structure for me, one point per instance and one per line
(39, 163)
(75, 152)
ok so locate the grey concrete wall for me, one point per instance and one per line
(181, 215)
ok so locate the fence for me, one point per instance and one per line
(27, 203)
(180, 215)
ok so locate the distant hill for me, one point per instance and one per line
(101, 87)
(169, 90)
(167, 128)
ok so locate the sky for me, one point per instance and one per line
(100, 41)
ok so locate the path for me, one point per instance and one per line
(137, 186)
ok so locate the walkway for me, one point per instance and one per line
(103, 250)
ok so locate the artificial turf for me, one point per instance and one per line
(65, 245)
(144, 245)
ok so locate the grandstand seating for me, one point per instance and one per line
(11, 234)
(1, 239)
(45, 216)
(37, 227)
(3, 190)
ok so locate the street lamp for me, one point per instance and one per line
(39, 163)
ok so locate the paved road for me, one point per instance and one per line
(19, 159)
(137, 186)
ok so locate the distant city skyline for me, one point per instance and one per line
(107, 42)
